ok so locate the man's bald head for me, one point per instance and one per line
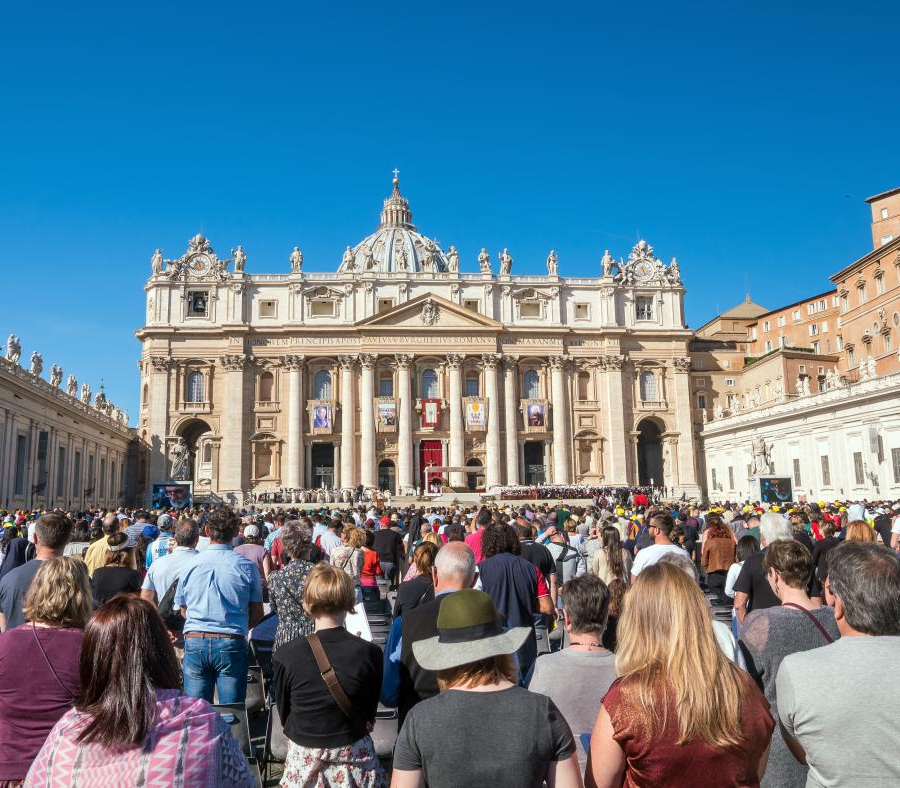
(454, 567)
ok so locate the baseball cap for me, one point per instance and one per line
(150, 532)
(251, 530)
(164, 521)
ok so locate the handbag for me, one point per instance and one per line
(334, 685)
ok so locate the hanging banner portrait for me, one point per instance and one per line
(386, 415)
(536, 415)
(431, 412)
(476, 415)
(321, 415)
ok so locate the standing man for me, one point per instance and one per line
(752, 590)
(659, 528)
(220, 596)
(160, 546)
(847, 732)
(95, 556)
(389, 545)
(51, 535)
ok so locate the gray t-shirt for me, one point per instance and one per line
(453, 738)
(13, 587)
(576, 682)
(830, 700)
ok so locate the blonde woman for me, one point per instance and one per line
(859, 531)
(349, 556)
(39, 661)
(680, 713)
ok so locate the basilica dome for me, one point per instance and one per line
(396, 246)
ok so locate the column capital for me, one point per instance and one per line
(233, 363)
(368, 360)
(346, 362)
(510, 362)
(559, 362)
(455, 360)
(293, 361)
(614, 363)
(403, 360)
(160, 363)
(490, 360)
(682, 364)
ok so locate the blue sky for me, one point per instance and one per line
(740, 137)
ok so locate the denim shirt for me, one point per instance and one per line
(166, 570)
(217, 589)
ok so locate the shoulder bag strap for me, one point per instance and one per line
(52, 670)
(330, 677)
(811, 617)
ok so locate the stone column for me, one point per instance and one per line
(492, 474)
(617, 453)
(457, 435)
(233, 427)
(511, 420)
(561, 471)
(367, 475)
(296, 409)
(635, 477)
(686, 480)
(404, 423)
(348, 420)
(158, 418)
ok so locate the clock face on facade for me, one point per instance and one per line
(200, 264)
(643, 270)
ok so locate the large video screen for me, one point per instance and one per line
(776, 489)
(172, 495)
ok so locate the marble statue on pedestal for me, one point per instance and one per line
(56, 375)
(37, 364)
(181, 461)
(762, 456)
(156, 263)
(85, 393)
(506, 262)
(348, 260)
(453, 260)
(484, 261)
(552, 264)
(296, 260)
(72, 386)
(369, 258)
(240, 259)
(607, 263)
(13, 349)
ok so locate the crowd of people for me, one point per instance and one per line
(625, 642)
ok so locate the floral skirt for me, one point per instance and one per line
(353, 766)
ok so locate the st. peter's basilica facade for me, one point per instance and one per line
(399, 362)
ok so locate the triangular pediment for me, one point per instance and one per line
(430, 312)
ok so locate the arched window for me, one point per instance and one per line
(584, 385)
(472, 389)
(429, 388)
(648, 386)
(145, 400)
(532, 384)
(322, 384)
(196, 387)
(266, 386)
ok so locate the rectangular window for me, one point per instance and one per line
(781, 321)
(197, 303)
(644, 308)
(386, 386)
(766, 326)
(60, 489)
(858, 468)
(823, 305)
(845, 303)
(895, 462)
(582, 311)
(43, 441)
(863, 297)
(826, 471)
(886, 239)
(768, 345)
(803, 369)
(729, 382)
(103, 477)
(815, 347)
(712, 478)
(851, 358)
(76, 476)
(726, 364)
(322, 308)
(730, 478)
(879, 285)
(21, 459)
(796, 314)
(782, 341)
(753, 334)
(701, 400)
(884, 213)
(472, 386)
(268, 308)
(472, 305)
(385, 303)
(529, 309)
(888, 343)
(839, 342)
(825, 327)
(835, 301)
(797, 472)
(813, 330)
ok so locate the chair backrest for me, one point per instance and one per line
(235, 716)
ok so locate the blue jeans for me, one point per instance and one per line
(215, 664)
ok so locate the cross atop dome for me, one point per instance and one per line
(396, 212)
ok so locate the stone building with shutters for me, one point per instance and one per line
(399, 360)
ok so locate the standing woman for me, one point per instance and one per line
(328, 727)
(286, 585)
(681, 714)
(371, 570)
(349, 556)
(717, 556)
(770, 634)
(39, 661)
(118, 573)
(746, 547)
(612, 561)
(131, 725)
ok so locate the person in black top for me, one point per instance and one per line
(328, 747)
(389, 546)
(117, 574)
(751, 589)
(820, 560)
(538, 555)
(419, 589)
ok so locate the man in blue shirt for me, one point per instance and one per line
(168, 568)
(220, 596)
(160, 546)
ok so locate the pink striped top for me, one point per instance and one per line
(189, 746)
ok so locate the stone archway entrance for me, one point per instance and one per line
(196, 434)
(650, 453)
(387, 476)
(475, 476)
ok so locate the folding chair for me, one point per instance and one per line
(235, 716)
(275, 748)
